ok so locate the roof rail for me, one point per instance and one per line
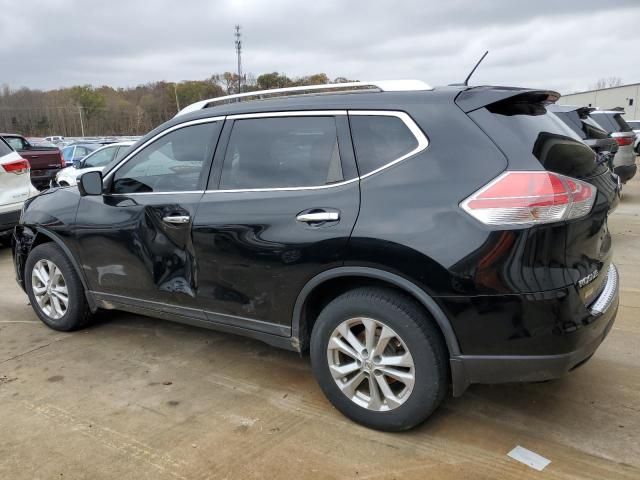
(382, 85)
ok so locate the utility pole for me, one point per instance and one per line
(238, 36)
(81, 124)
(175, 89)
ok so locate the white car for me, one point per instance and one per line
(635, 124)
(96, 160)
(15, 188)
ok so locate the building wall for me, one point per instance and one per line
(608, 98)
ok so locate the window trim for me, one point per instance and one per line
(422, 139)
(419, 135)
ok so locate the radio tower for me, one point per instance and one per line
(238, 36)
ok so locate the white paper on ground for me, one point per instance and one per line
(535, 461)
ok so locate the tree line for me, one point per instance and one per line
(105, 111)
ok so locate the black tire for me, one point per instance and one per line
(414, 327)
(77, 314)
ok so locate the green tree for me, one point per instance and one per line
(89, 99)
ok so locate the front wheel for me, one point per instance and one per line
(379, 358)
(54, 289)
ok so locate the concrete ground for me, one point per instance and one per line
(137, 398)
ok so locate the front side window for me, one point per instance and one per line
(379, 140)
(281, 153)
(100, 158)
(173, 163)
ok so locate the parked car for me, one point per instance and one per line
(578, 119)
(15, 188)
(624, 162)
(55, 139)
(635, 125)
(96, 160)
(77, 151)
(340, 223)
(45, 161)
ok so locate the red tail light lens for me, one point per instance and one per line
(63, 164)
(622, 141)
(523, 198)
(17, 166)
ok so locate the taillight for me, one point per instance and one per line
(622, 141)
(17, 166)
(63, 164)
(521, 198)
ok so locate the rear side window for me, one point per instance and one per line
(16, 143)
(4, 148)
(585, 127)
(281, 153)
(379, 140)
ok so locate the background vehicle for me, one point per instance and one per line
(635, 124)
(55, 139)
(96, 160)
(45, 161)
(578, 119)
(15, 188)
(40, 142)
(624, 162)
(77, 151)
(340, 223)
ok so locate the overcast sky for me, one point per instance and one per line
(561, 44)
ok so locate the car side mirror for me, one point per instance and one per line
(90, 183)
(77, 163)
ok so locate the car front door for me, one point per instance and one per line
(135, 239)
(280, 207)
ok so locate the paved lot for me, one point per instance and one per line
(138, 398)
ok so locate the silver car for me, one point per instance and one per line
(624, 162)
(635, 124)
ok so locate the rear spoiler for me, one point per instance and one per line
(478, 97)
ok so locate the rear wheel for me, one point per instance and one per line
(54, 289)
(379, 358)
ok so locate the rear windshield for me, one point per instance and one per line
(525, 131)
(635, 125)
(586, 128)
(612, 122)
(4, 148)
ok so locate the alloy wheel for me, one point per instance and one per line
(50, 289)
(371, 364)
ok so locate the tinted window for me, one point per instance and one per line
(4, 148)
(522, 129)
(100, 158)
(379, 140)
(282, 152)
(173, 163)
(611, 122)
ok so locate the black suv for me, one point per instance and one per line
(407, 236)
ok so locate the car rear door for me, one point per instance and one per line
(280, 207)
(135, 240)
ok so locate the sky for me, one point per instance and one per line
(566, 45)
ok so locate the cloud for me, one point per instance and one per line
(561, 45)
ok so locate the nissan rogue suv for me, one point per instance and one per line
(408, 237)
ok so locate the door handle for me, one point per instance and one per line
(177, 219)
(316, 217)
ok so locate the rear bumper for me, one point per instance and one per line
(42, 178)
(625, 172)
(491, 369)
(8, 220)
